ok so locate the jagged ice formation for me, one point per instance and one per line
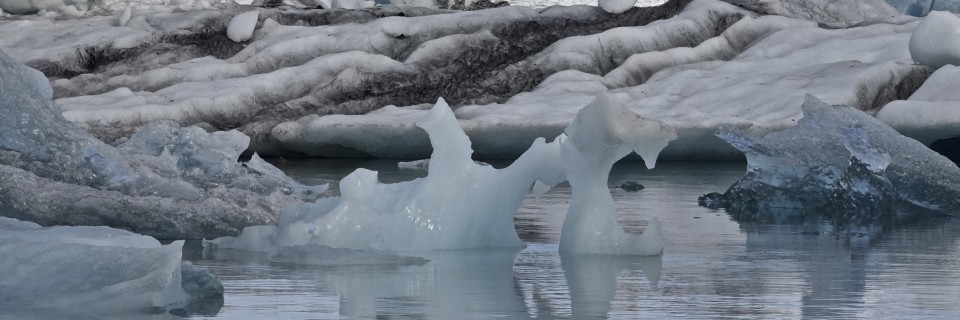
(461, 204)
(162, 181)
(843, 165)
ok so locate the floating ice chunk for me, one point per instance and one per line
(842, 164)
(461, 204)
(602, 133)
(416, 164)
(616, 6)
(458, 205)
(327, 256)
(936, 41)
(241, 26)
(95, 270)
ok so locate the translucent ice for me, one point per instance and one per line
(93, 270)
(602, 133)
(461, 204)
(843, 164)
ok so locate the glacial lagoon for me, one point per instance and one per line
(712, 266)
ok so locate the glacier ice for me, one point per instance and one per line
(514, 71)
(837, 14)
(756, 63)
(919, 8)
(461, 204)
(841, 164)
(163, 181)
(95, 270)
(936, 41)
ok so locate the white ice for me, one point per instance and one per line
(241, 26)
(96, 270)
(936, 41)
(616, 6)
(833, 13)
(750, 75)
(932, 112)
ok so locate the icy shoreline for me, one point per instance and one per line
(310, 79)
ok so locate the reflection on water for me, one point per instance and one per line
(713, 267)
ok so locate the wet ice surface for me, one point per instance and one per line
(712, 267)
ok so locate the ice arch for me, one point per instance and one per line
(461, 204)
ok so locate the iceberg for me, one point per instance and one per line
(95, 270)
(163, 181)
(459, 204)
(936, 41)
(843, 165)
(462, 205)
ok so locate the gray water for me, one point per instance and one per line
(713, 267)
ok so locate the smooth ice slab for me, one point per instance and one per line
(94, 270)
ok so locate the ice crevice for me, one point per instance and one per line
(461, 204)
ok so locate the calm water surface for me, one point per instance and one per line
(712, 267)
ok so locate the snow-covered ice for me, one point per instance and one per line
(308, 72)
(842, 164)
(936, 41)
(832, 13)
(95, 270)
(931, 113)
